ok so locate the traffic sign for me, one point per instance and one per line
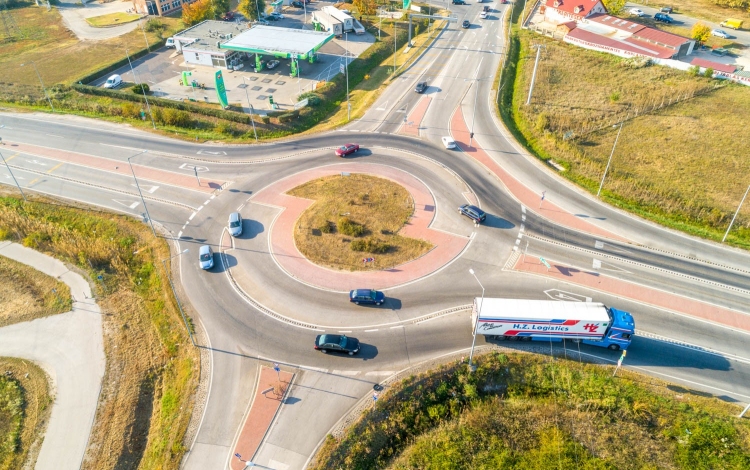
(342, 68)
(544, 262)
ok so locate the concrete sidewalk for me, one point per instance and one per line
(70, 348)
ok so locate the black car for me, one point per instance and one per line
(485, 9)
(663, 18)
(459, 2)
(421, 87)
(337, 343)
(666, 9)
(473, 212)
(465, 24)
(297, 4)
(366, 296)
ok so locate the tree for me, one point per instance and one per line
(220, 7)
(365, 7)
(195, 12)
(614, 7)
(700, 32)
(251, 8)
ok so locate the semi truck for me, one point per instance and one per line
(551, 320)
(325, 22)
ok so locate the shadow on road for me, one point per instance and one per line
(250, 229)
(497, 222)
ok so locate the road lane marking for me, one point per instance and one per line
(346, 372)
(397, 326)
(192, 215)
(55, 167)
(179, 235)
(370, 331)
(345, 331)
(55, 135)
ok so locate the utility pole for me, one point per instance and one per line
(610, 159)
(533, 75)
(395, 24)
(153, 230)
(49, 101)
(735, 215)
(479, 314)
(252, 111)
(348, 104)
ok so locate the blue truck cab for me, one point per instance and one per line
(619, 333)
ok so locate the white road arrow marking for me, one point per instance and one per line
(128, 204)
(36, 162)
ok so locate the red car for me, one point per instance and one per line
(345, 150)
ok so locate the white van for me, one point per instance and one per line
(113, 82)
(170, 42)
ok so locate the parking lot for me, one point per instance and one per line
(162, 69)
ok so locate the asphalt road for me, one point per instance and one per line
(458, 68)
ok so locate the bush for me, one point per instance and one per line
(154, 26)
(708, 73)
(288, 117)
(313, 99)
(370, 245)
(327, 227)
(348, 227)
(141, 88)
(694, 71)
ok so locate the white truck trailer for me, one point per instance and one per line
(551, 320)
(328, 23)
(344, 18)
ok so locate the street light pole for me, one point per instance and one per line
(179, 305)
(348, 105)
(148, 47)
(380, 26)
(735, 215)
(153, 230)
(533, 74)
(49, 101)
(610, 159)
(148, 107)
(476, 323)
(252, 111)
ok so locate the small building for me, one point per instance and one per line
(680, 45)
(715, 66)
(200, 44)
(561, 11)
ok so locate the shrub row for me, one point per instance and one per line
(370, 245)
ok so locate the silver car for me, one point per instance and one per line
(235, 224)
(206, 257)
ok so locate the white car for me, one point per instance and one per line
(483, 14)
(448, 142)
(113, 82)
(720, 33)
(636, 12)
(278, 15)
(170, 42)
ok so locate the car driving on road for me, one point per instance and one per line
(663, 18)
(113, 81)
(473, 212)
(235, 224)
(337, 343)
(448, 142)
(421, 87)
(366, 296)
(347, 149)
(466, 24)
(720, 33)
(206, 257)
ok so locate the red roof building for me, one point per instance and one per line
(560, 11)
(709, 64)
(624, 48)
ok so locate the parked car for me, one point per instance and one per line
(664, 18)
(486, 9)
(720, 33)
(272, 18)
(206, 257)
(366, 296)
(636, 12)
(261, 21)
(421, 87)
(666, 10)
(235, 224)
(170, 42)
(347, 149)
(297, 4)
(277, 15)
(483, 14)
(337, 343)
(228, 16)
(459, 2)
(473, 212)
(272, 64)
(466, 24)
(731, 23)
(448, 142)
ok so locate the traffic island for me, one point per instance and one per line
(272, 387)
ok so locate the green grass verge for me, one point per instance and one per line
(152, 371)
(524, 411)
(673, 165)
(112, 19)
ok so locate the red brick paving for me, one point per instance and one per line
(446, 246)
(262, 412)
(526, 196)
(187, 181)
(415, 117)
(658, 298)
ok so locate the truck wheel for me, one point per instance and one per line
(614, 347)
(514, 338)
(526, 338)
(500, 338)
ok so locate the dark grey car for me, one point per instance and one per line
(337, 343)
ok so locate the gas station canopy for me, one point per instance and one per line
(285, 43)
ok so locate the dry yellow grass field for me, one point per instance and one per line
(381, 207)
(33, 385)
(26, 294)
(682, 165)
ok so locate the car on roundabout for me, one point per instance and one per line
(473, 212)
(347, 149)
(337, 343)
(206, 257)
(421, 87)
(366, 296)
